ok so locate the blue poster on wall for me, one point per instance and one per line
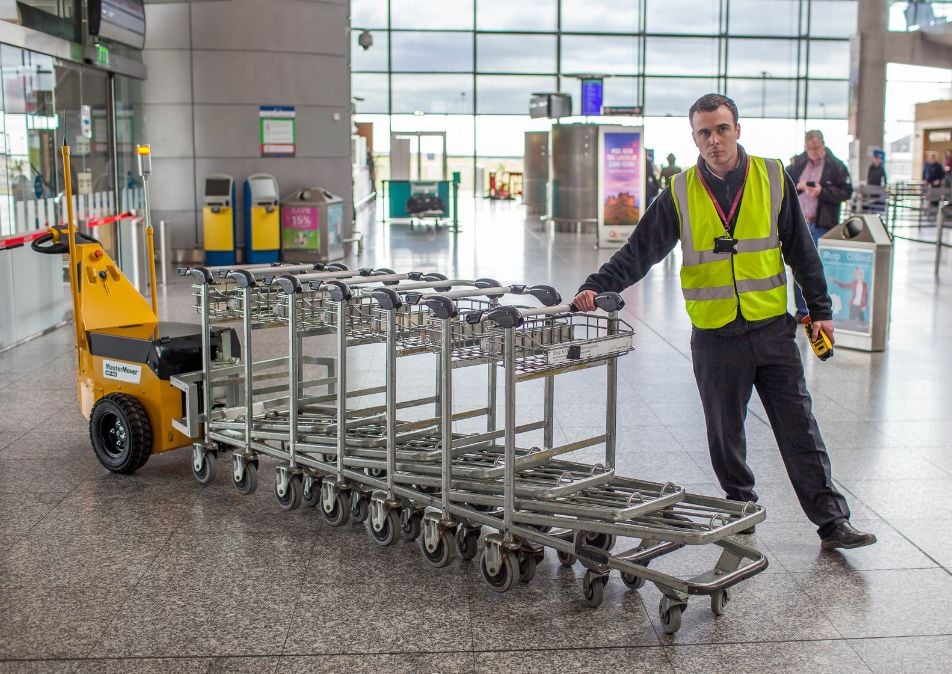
(849, 277)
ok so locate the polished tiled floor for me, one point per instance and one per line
(156, 573)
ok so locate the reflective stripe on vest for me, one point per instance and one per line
(714, 283)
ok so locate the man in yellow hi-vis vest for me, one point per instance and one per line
(739, 223)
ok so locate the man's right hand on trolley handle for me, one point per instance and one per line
(585, 300)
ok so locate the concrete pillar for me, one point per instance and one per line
(867, 84)
(211, 65)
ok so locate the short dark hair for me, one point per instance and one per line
(710, 103)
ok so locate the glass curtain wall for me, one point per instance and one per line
(468, 67)
(44, 100)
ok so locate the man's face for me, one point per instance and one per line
(815, 148)
(715, 134)
(932, 159)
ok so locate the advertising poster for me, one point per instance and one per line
(621, 193)
(300, 228)
(849, 277)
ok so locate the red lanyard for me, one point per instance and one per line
(725, 219)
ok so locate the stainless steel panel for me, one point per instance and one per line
(536, 171)
(573, 181)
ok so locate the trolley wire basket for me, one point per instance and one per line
(547, 344)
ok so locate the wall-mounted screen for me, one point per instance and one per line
(121, 21)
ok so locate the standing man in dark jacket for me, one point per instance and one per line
(823, 183)
(737, 222)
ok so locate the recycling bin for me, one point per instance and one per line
(857, 259)
(312, 226)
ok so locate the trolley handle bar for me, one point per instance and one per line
(437, 282)
(388, 299)
(387, 277)
(514, 317)
(268, 276)
(331, 274)
(547, 295)
(294, 283)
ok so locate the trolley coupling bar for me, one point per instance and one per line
(547, 295)
(514, 317)
(385, 276)
(294, 283)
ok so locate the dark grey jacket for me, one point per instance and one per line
(837, 188)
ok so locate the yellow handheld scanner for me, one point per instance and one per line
(822, 346)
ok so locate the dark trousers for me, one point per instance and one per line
(727, 369)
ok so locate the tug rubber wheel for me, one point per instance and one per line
(120, 432)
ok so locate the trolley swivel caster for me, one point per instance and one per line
(204, 463)
(438, 542)
(411, 519)
(383, 523)
(670, 610)
(499, 563)
(310, 490)
(287, 487)
(359, 505)
(467, 541)
(593, 585)
(245, 473)
(335, 506)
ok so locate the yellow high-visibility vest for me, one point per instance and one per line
(714, 284)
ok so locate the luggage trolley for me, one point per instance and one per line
(686, 520)
(214, 395)
(352, 437)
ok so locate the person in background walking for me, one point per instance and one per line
(823, 184)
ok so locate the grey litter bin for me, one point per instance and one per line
(312, 226)
(857, 260)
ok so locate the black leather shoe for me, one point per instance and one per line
(845, 535)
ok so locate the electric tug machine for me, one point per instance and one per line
(125, 354)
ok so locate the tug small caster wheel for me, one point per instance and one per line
(506, 577)
(566, 559)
